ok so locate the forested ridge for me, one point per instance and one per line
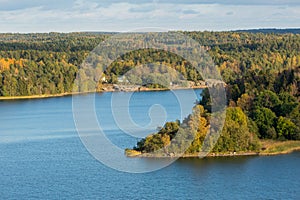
(261, 70)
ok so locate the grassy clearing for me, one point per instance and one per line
(271, 147)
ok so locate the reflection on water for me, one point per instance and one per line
(208, 163)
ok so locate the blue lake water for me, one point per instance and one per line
(42, 156)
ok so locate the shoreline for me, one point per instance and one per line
(142, 89)
(44, 96)
(275, 148)
(210, 155)
(213, 155)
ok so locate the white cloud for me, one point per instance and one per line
(81, 15)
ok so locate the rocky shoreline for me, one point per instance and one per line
(212, 155)
(273, 149)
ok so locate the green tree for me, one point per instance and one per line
(236, 135)
(287, 105)
(286, 128)
(265, 120)
(267, 99)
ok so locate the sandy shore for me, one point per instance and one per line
(39, 96)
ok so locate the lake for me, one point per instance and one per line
(42, 156)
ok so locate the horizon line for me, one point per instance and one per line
(170, 30)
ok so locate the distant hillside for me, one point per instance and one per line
(274, 30)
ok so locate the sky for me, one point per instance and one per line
(131, 15)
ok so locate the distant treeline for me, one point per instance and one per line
(272, 30)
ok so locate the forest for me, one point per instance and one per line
(261, 70)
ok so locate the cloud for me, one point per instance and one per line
(239, 2)
(10, 5)
(188, 12)
(143, 8)
(229, 13)
(220, 2)
(85, 15)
